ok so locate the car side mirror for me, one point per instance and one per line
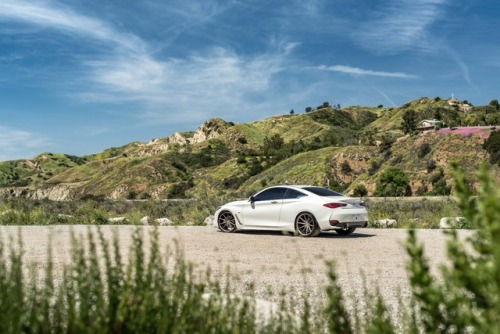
(252, 199)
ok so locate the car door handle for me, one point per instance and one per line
(274, 202)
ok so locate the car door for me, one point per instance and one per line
(293, 203)
(264, 210)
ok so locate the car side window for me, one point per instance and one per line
(292, 193)
(270, 194)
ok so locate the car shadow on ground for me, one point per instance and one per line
(324, 235)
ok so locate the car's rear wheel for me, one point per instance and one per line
(226, 222)
(346, 230)
(306, 225)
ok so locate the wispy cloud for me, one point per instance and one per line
(384, 95)
(461, 64)
(126, 71)
(399, 25)
(362, 72)
(200, 85)
(65, 20)
(14, 142)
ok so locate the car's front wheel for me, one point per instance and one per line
(226, 222)
(306, 226)
(346, 231)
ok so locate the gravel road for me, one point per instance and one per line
(273, 262)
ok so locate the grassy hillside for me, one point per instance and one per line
(344, 148)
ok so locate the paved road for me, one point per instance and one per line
(272, 261)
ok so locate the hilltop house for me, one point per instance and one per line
(463, 106)
(429, 124)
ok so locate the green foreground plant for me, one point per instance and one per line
(467, 297)
(152, 291)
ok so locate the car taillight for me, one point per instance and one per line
(334, 205)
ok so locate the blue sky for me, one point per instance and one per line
(79, 76)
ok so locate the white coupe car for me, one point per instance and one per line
(305, 210)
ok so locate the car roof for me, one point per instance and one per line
(302, 187)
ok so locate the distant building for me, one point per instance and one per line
(465, 107)
(453, 102)
(429, 124)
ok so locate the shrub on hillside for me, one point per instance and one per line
(393, 182)
(492, 145)
(345, 167)
(360, 191)
(423, 150)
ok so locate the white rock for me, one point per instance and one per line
(164, 221)
(145, 220)
(451, 222)
(210, 221)
(386, 223)
(116, 220)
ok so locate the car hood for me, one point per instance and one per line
(237, 203)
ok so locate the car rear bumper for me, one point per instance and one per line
(334, 224)
(343, 219)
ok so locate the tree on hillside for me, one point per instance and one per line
(292, 112)
(324, 105)
(437, 114)
(274, 148)
(409, 121)
(393, 182)
(308, 109)
(492, 145)
(495, 104)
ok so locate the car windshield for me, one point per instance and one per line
(322, 191)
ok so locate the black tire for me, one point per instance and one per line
(226, 222)
(346, 231)
(306, 225)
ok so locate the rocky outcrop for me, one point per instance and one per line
(211, 129)
(56, 193)
(159, 145)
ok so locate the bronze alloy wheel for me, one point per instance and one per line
(306, 226)
(226, 222)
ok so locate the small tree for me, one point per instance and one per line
(424, 149)
(494, 103)
(409, 121)
(292, 112)
(393, 182)
(345, 167)
(241, 158)
(492, 145)
(308, 109)
(360, 191)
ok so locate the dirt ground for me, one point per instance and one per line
(270, 261)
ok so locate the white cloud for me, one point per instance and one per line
(14, 142)
(399, 25)
(200, 85)
(362, 72)
(65, 20)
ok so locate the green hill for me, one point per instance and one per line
(343, 148)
